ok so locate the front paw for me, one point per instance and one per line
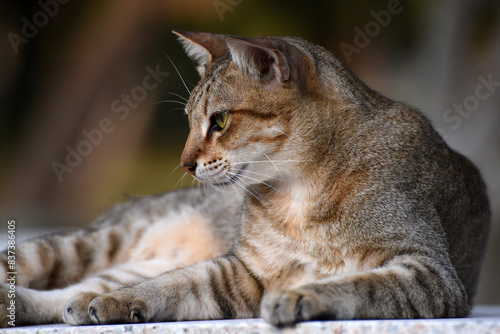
(75, 310)
(89, 308)
(117, 307)
(287, 307)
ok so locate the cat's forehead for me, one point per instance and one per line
(213, 88)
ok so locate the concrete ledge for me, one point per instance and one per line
(483, 320)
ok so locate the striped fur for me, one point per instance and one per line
(133, 242)
(335, 203)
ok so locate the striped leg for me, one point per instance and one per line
(220, 288)
(54, 306)
(55, 261)
(405, 288)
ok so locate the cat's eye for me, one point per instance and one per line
(221, 119)
(218, 121)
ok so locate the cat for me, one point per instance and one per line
(335, 202)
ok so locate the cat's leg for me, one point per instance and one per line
(407, 287)
(159, 226)
(55, 306)
(58, 260)
(220, 288)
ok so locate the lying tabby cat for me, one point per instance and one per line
(353, 207)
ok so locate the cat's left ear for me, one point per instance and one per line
(202, 47)
(264, 63)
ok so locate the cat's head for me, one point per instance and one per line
(248, 114)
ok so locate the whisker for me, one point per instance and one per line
(248, 190)
(172, 172)
(186, 178)
(266, 176)
(192, 183)
(181, 109)
(234, 187)
(251, 178)
(275, 161)
(274, 166)
(180, 76)
(180, 182)
(178, 95)
(172, 101)
(189, 82)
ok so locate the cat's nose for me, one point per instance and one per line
(189, 167)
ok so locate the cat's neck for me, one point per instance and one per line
(292, 192)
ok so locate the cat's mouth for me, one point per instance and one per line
(232, 179)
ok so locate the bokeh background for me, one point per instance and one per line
(94, 77)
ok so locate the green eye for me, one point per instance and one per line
(221, 119)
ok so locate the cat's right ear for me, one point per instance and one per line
(202, 47)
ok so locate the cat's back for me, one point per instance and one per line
(466, 218)
(396, 150)
(414, 159)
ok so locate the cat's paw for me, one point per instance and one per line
(287, 307)
(75, 311)
(117, 307)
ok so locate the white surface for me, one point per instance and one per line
(483, 320)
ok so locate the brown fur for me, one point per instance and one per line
(339, 203)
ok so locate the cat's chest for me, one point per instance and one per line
(284, 242)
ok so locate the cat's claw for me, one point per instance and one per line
(76, 309)
(91, 308)
(117, 308)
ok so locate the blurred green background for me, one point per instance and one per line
(91, 77)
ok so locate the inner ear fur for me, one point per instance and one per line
(202, 47)
(262, 62)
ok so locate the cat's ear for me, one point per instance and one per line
(262, 62)
(202, 47)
